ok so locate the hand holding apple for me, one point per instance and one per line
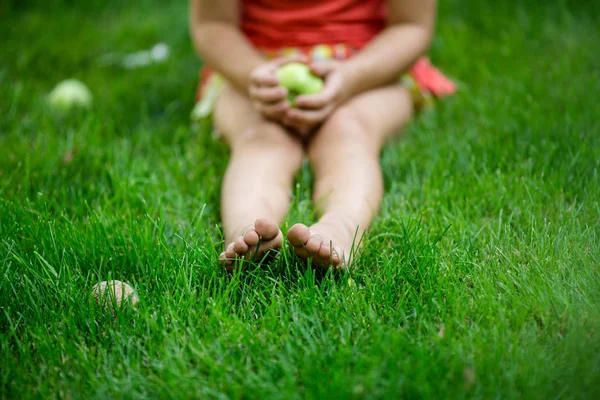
(312, 109)
(267, 95)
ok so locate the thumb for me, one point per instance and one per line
(322, 68)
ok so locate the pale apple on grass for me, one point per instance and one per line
(70, 94)
(114, 294)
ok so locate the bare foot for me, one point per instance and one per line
(254, 244)
(317, 244)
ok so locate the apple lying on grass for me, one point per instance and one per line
(113, 295)
(298, 79)
(70, 94)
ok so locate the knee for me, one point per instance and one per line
(270, 141)
(346, 131)
(267, 136)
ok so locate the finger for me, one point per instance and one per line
(322, 68)
(316, 101)
(332, 88)
(308, 117)
(272, 111)
(323, 98)
(269, 94)
(264, 78)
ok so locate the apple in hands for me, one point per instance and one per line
(318, 93)
(298, 79)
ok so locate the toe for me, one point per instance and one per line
(301, 252)
(266, 229)
(273, 243)
(223, 258)
(298, 235)
(240, 246)
(326, 251)
(230, 252)
(336, 257)
(314, 244)
(251, 238)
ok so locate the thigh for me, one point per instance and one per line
(384, 110)
(235, 118)
(369, 118)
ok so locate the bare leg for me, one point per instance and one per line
(344, 156)
(255, 195)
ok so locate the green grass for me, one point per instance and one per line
(479, 279)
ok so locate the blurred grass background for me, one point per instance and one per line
(479, 278)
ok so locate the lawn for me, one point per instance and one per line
(479, 279)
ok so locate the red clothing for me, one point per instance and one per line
(324, 29)
(274, 24)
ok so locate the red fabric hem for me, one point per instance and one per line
(431, 79)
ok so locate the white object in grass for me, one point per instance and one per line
(143, 58)
(69, 94)
(137, 60)
(114, 294)
(160, 52)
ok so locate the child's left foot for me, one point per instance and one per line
(319, 244)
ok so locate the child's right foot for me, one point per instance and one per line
(254, 244)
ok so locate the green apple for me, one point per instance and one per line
(298, 79)
(69, 94)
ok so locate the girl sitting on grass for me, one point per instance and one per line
(370, 54)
